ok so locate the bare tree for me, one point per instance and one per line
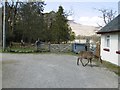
(107, 15)
(69, 12)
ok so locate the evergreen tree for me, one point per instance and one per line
(60, 27)
(49, 19)
(31, 22)
(28, 22)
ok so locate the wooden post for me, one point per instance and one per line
(98, 49)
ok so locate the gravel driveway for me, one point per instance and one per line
(53, 71)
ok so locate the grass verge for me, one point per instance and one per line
(0, 50)
(9, 62)
(112, 67)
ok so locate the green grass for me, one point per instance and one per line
(23, 48)
(9, 62)
(112, 67)
(26, 49)
(19, 50)
(0, 50)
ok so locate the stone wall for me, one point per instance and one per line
(56, 47)
(60, 47)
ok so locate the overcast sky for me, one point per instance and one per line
(83, 12)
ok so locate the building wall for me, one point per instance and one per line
(119, 48)
(110, 56)
(0, 27)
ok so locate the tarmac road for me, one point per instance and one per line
(52, 71)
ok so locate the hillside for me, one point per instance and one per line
(83, 30)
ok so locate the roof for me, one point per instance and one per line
(113, 26)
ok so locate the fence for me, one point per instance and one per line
(60, 47)
(97, 53)
(45, 47)
(55, 47)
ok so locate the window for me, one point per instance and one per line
(107, 41)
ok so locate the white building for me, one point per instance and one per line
(110, 41)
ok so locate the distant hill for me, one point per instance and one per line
(83, 30)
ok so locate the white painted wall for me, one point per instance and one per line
(110, 56)
(119, 48)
